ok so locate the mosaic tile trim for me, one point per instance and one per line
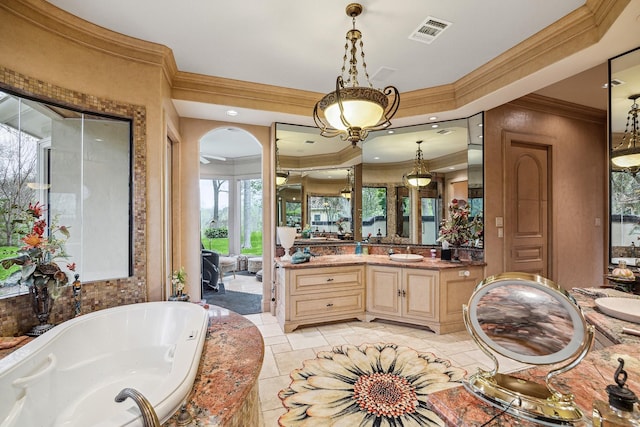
(16, 316)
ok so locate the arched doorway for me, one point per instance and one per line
(231, 217)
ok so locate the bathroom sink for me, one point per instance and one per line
(621, 308)
(406, 257)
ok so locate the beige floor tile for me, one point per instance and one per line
(306, 338)
(271, 330)
(269, 366)
(281, 348)
(271, 417)
(274, 340)
(269, 388)
(290, 360)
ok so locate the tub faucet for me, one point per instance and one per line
(149, 416)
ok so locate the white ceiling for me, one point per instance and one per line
(300, 44)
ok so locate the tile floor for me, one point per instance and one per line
(286, 352)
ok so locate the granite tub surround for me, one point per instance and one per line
(587, 381)
(225, 391)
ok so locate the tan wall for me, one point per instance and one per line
(579, 172)
(41, 46)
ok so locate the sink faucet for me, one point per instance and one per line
(408, 249)
(149, 416)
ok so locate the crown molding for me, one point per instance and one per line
(576, 31)
(63, 24)
(561, 108)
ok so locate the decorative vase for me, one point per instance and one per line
(41, 305)
(455, 257)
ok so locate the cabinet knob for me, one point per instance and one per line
(404, 293)
(399, 293)
(330, 304)
(330, 279)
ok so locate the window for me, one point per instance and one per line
(78, 166)
(214, 214)
(374, 211)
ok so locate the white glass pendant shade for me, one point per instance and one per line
(281, 178)
(419, 180)
(627, 160)
(358, 113)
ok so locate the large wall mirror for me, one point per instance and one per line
(624, 78)
(321, 177)
(453, 154)
(381, 206)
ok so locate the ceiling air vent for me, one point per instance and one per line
(429, 29)
(445, 131)
(616, 82)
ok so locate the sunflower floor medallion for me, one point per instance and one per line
(381, 385)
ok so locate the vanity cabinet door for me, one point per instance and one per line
(420, 294)
(384, 290)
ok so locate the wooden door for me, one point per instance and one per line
(527, 207)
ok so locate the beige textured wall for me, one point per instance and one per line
(579, 172)
(45, 53)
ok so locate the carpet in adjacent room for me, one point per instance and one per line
(367, 385)
(240, 302)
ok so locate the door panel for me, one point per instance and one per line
(527, 208)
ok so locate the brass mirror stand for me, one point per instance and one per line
(541, 403)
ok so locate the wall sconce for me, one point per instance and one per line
(351, 111)
(419, 175)
(626, 155)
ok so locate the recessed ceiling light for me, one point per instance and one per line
(432, 118)
(232, 113)
(376, 158)
(480, 136)
(391, 131)
(451, 168)
(434, 126)
(479, 124)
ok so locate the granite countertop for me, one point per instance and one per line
(609, 326)
(587, 381)
(349, 259)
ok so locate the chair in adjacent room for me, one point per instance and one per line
(210, 269)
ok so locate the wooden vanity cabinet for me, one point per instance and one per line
(431, 298)
(317, 295)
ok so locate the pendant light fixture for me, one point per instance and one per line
(419, 175)
(346, 191)
(351, 111)
(626, 155)
(281, 177)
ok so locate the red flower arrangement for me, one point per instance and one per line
(38, 256)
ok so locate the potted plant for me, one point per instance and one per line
(178, 283)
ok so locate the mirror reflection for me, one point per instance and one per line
(383, 206)
(625, 182)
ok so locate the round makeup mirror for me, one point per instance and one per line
(530, 319)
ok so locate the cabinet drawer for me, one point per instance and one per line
(323, 279)
(327, 305)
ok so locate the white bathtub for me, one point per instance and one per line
(70, 375)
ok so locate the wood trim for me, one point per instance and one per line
(558, 107)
